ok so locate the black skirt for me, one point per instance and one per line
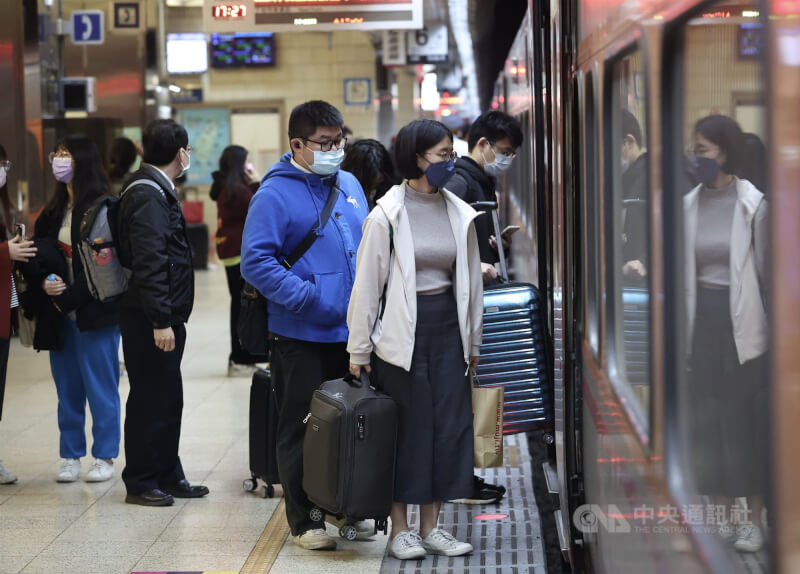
(727, 406)
(434, 400)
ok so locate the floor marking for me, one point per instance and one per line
(269, 544)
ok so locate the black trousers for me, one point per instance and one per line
(298, 369)
(4, 345)
(238, 355)
(155, 405)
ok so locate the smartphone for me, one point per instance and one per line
(510, 230)
(19, 231)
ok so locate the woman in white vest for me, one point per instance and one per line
(419, 251)
(726, 253)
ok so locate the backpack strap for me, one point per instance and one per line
(315, 231)
(144, 181)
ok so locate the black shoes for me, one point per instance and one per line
(483, 492)
(185, 490)
(153, 497)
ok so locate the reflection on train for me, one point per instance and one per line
(656, 178)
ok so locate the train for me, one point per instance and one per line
(623, 469)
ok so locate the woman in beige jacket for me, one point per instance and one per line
(415, 317)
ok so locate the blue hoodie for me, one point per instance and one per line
(308, 302)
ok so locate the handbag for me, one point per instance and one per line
(487, 426)
(253, 325)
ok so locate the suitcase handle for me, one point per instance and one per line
(364, 379)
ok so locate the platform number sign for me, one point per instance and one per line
(127, 15)
(88, 27)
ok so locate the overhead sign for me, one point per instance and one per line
(394, 48)
(127, 16)
(88, 27)
(428, 46)
(230, 16)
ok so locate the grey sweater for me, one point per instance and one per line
(713, 244)
(434, 243)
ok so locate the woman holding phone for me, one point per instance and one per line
(13, 248)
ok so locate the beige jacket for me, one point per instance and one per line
(392, 338)
(748, 268)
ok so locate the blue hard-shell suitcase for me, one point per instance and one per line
(514, 349)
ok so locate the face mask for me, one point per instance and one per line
(327, 162)
(249, 167)
(439, 173)
(499, 166)
(62, 169)
(707, 170)
(188, 165)
(2, 176)
(625, 165)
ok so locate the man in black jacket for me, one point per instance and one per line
(493, 142)
(153, 313)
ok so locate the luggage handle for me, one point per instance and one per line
(491, 206)
(362, 380)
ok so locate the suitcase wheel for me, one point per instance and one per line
(348, 532)
(382, 524)
(249, 484)
(316, 515)
(267, 491)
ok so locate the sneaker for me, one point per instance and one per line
(406, 546)
(6, 476)
(442, 542)
(726, 531)
(70, 470)
(483, 493)
(236, 370)
(316, 539)
(748, 538)
(101, 470)
(364, 528)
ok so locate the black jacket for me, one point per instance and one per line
(91, 315)
(154, 246)
(471, 184)
(634, 192)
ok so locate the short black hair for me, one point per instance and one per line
(162, 140)
(123, 156)
(630, 127)
(307, 117)
(372, 165)
(414, 140)
(724, 132)
(495, 126)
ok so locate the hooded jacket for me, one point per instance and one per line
(231, 215)
(309, 301)
(471, 183)
(748, 255)
(392, 336)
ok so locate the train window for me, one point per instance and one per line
(628, 193)
(719, 192)
(592, 215)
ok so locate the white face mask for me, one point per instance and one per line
(188, 165)
(499, 166)
(2, 176)
(327, 162)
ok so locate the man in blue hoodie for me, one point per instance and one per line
(306, 301)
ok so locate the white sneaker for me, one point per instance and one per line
(364, 528)
(442, 542)
(726, 531)
(101, 470)
(316, 539)
(749, 538)
(6, 476)
(70, 470)
(406, 546)
(236, 370)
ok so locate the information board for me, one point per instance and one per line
(232, 16)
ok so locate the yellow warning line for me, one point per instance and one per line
(269, 544)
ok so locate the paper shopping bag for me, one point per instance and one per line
(487, 424)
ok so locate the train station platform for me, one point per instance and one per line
(47, 527)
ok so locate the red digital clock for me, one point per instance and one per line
(229, 11)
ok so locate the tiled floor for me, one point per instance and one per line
(46, 527)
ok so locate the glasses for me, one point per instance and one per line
(53, 155)
(188, 149)
(6, 165)
(506, 152)
(337, 143)
(445, 155)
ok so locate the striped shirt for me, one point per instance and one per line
(14, 298)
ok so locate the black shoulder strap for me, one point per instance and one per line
(312, 235)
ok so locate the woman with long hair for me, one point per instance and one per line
(12, 249)
(234, 186)
(83, 337)
(373, 167)
(415, 321)
(123, 156)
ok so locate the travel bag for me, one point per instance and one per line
(514, 350)
(349, 453)
(263, 435)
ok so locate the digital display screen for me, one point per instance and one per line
(242, 50)
(187, 54)
(229, 11)
(751, 39)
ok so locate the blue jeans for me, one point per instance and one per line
(88, 368)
